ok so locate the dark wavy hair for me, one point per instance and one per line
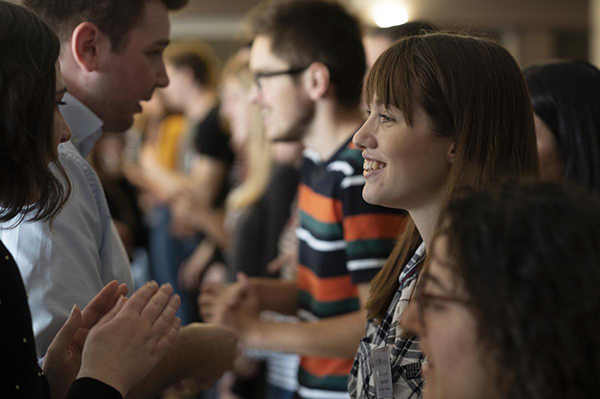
(566, 96)
(114, 17)
(29, 50)
(528, 255)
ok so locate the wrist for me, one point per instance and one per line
(106, 376)
(252, 334)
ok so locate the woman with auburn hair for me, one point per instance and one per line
(445, 111)
(509, 305)
(108, 347)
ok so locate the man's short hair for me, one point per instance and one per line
(114, 17)
(306, 31)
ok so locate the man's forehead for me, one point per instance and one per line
(262, 57)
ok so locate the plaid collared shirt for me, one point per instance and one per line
(405, 355)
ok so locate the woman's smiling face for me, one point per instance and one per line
(405, 166)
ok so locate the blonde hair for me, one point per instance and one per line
(258, 148)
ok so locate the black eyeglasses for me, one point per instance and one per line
(263, 75)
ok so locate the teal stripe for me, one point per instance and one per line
(320, 230)
(353, 156)
(328, 383)
(377, 248)
(327, 309)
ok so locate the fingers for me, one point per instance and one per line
(166, 317)
(239, 291)
(167, 338)
(67, 332)
(157, 303)
(141, 297)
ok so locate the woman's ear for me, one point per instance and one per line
(317, 80)
(451, 153)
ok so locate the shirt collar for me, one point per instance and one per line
(86, 127)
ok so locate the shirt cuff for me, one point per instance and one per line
(90, 388)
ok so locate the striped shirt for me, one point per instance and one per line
(343, 242)
(405, 355)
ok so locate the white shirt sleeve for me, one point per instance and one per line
(69, 262)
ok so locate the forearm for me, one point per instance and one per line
(332, 337)
(276, 295)
(202, 351)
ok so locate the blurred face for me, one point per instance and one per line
(236, 108)
(61, 133)
(176, 92)
(404, 166)
(551, 163)
(374, 47)
(126, 77)
(286, 109)
(447, 330)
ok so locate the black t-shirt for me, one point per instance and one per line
(212, 140)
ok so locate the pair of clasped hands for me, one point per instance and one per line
(114, 339)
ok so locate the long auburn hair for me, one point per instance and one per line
(473, 91)
(29, 50)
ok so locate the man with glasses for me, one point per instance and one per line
(308, 62)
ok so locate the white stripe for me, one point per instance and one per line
(307, 316)
(341, 166)
(319, 394)
(319, 245)
(362, 264)
(312, 155)
(352, 181)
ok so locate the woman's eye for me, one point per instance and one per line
(384, 118)
(61, 102)
(368, 112)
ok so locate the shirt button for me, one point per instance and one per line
(24, 340)
(6, 257)
(17, 387)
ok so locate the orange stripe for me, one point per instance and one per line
(373, 226)
(319, 207)
(328, 289)
(324, 366)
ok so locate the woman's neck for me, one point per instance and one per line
(425, 220)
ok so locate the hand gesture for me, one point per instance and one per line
(132, 337)
(63, 359)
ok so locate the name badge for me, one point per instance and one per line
(380, 359)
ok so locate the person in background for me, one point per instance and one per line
(508, 307)
(308, 62)
(377, 40)
(107, 348)
(434, 105)
(566, 99)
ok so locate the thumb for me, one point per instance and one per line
(67, 332)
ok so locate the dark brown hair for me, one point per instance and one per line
(307, 31)
(28, 53)
(527, 255)
(113, 17)
(473, 91)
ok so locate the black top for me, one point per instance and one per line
(21, 377)
(212, 140)
(256, 237)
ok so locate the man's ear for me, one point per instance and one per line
(317, 81)
(451, 153)
(87, 42)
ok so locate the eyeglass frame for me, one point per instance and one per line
(420, 296)
(263, 75)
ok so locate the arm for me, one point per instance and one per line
(200, 351)
(333, 337)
